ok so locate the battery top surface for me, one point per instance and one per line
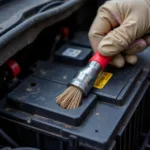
(97, 121)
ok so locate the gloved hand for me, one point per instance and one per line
(119, 30)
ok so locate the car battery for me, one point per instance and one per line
(110, 117)
(80, 38)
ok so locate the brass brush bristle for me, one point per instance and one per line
(70, 98)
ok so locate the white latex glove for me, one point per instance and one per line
(119, 28)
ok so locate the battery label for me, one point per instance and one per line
(102, 80)
(71, 52)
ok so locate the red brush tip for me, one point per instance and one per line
(102, 60)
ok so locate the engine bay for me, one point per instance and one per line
(113, 116)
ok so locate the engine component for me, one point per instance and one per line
(109, 118)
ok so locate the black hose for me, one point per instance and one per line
(25, 148)
(8, 139)
(2, 2)
(51, 4)
(21, 148)
(55, 15)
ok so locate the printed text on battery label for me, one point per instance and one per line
(70, 52)
(102, 80)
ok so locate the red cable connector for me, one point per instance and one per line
(14, 67)
(65, 31)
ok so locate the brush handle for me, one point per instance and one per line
(102, 60)
(86, 77)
